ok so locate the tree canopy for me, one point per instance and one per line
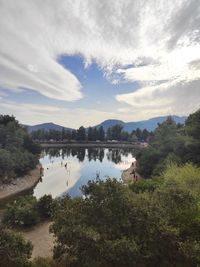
(116, 225)
(18, 152)
(171, 142)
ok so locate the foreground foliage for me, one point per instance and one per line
(116, 225)
(14, 250)
(28, 211)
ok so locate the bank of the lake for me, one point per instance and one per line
(89, 145)
(20, 184)
(131, 174)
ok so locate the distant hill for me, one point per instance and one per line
(46, 126)
(149, 124)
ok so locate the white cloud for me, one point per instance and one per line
(35, 113)
(161, 39)
(31, 114)
(172, 97)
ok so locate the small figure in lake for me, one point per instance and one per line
(66, 165)
(67, 183)
(97, 175)
(61, 164)
(41, 171)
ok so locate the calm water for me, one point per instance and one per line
(82, 165)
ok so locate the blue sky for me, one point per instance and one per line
(82, 62)
(98, 91)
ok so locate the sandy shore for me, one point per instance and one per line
(41, 239)
(19, 185)
(128, 176)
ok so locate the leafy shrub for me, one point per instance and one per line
(153, 224)
(45, 206)
(22, 212)
(14, 250)
(43, 262)
(146, 185)
(27, 211)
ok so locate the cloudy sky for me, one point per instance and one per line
(76, 62)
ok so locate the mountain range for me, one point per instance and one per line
(149, 124)
(46, 126)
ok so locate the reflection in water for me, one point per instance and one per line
(66, 170)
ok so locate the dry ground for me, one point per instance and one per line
(41, 239)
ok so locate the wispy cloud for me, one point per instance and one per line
(37, 113)
(159, 41)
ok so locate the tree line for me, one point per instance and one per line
(115, 132)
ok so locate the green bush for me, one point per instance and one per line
(14, 250)
(27, 211)
(43, 262)
(45, 206)
(145, 185)
(22, 212)
(152, 224)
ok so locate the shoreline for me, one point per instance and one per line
(128, 176)
(20, 184)
(87, 145)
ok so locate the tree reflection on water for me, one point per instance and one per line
(92, 154)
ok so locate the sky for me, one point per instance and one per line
(81, 62)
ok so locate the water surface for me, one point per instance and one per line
(66, 170)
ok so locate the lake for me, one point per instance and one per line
(66, 170)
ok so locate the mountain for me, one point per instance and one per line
(46, 126)
(149, 124)
(109, 123)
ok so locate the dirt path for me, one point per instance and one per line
(20, 184)
(41, 239)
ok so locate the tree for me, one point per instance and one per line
(114, 132)
(101, 134)
(192, 130)
(166, 145)
(95, 134)
(193, 125)
(45, 206)
(22, 212)
(74, 134)
(81, 135)
(138, 133)
(145, 135)
(14, 250)
(90, 134)
(18, 152)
